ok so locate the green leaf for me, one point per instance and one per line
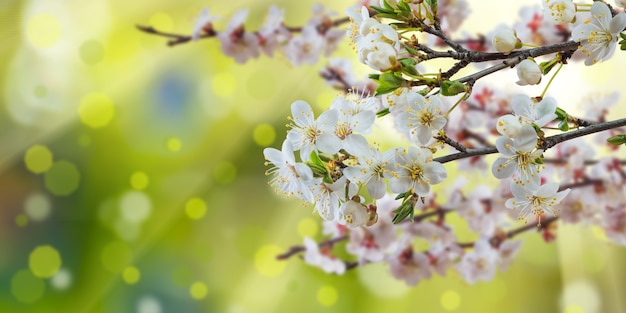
(374, 76)
(547, 66)
(382, 112)
(388, 82)
(560, 114)
(564, 125)
(403, 6)
(315, 159)
(617, 140)
(411, 50)
(382, 10)
(408, 66)
(452, 88)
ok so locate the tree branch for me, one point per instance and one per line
(548, 143)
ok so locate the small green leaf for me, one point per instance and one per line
(560, 114)
(411, 50)
(388, 82)
(382, 10)
(564, 125)
(382, 112)
(316, 159)
(374, 76)
(538, 161)
(617, 140)
(452, 88)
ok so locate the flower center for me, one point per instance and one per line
(343, 130)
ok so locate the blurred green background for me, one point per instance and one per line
(132, 179)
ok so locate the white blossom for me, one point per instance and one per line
(534, 199)
(414, 170)
(504, 40)
(421, 117)
(559, 11)
(370, 171)
(479, 264)
(352, 214)
(238, 43)
(203, 22)
(528, 73)
(289, 177)
(599, 36)
(531, 112)
(409, 265)
(518, 157)
(308, 134)
(323, 260)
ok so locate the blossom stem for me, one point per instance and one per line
(551, 79)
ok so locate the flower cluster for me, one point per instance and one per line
(382, 198)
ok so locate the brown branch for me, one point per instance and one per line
(176, 39)
(548, 143)
(297, 249)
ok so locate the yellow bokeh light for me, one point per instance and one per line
(224, 84)
(135, 206)
(43, 30)
(264, 135)
(116, 256)
(198, 290)
(195, 208)
(174, 144)
(61, 280)
(225, 172)
(96, 110)
(139, 180)
(131, 275)
(27, 288)
(44, 261)
(327, 295)
(573, 309)
(37, 206)
(38, 159)
(307, 227)
(62, 178)
(450, 300)
(21, 220)
(266, 263)
(162, 21)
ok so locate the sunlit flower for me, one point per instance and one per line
(309, 134)
(531, 112)
(370, 171)
(289, 177)
(600, 35)
(414, 170)
(559, 11)
(421, 117)
(536, 200)
(518, 157)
